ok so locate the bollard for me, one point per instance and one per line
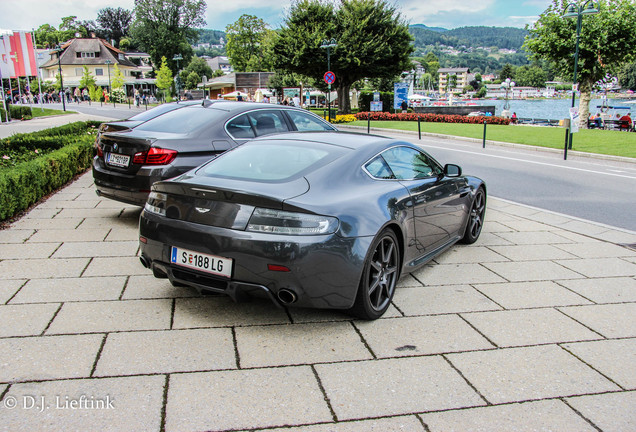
(369, 123)
(128, 103)
(483, 145)
(419, 128)
(567, 139)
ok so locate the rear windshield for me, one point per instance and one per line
(184, 120)
(157, 111)
(269, 161)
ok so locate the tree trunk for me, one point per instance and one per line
(584, 107)
(344, 103)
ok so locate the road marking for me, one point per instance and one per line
(631, 177)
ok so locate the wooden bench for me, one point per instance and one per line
(620, 125)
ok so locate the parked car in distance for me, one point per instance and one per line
(331, 221)
(129, 161)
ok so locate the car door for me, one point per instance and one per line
(435, 198)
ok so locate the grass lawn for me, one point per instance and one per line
(39, 112)
(589, 140)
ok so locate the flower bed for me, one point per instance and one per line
(428, 117)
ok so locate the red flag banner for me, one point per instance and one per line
(23, 55)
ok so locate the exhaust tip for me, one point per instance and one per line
(287, 296)
(144, 261)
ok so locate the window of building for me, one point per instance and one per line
(79, 71)
(99, 71)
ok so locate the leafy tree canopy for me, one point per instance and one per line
(164, 28)
(199, 66)
(372, 42)
(114, 23)
(248, 43)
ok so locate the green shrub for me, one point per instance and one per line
(26, 182)
(20, 112)
(365, 98)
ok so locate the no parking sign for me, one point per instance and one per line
(330, 77)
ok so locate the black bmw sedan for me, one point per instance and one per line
(323, 220)
(129, 161)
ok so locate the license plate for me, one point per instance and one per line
(207, 263)
(119, 160)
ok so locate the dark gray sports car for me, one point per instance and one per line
(324, 220)
(129, 161)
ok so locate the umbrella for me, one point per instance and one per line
(258, 96)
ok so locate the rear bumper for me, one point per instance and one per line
(324, 271)
(127, 188)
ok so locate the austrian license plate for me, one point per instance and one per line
(119, 160)
(195, 260)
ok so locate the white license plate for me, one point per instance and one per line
(119, 160)
(195, 260)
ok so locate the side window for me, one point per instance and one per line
(267, 122)
(379, 169)
(409, 164)
(240, 127)
(307, 122)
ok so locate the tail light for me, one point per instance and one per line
(98, 147)
(155, 156)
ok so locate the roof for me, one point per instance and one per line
(89, 45)
(453, 70)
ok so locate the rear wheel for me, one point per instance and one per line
(475, 218)
(379, 278)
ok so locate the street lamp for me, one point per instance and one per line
(576, 11)
(507, 85)
(329, 44)
(177, 79)
(108, 63)
(58, 49)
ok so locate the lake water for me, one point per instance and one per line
(553, 109)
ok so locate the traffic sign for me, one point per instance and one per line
(330, 77)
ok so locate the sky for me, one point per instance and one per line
(31, 14)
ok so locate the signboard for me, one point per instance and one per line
(574, 120)
(376, 105)
(376, 96)
(400, 94)
(330, 77)
(290, 92)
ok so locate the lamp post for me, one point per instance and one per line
(329, 44)
(59, 50)
(108, 63)
(177, 79)
(507, 85)
(576, 11)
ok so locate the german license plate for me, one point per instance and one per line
(207, 263)
(119, 160)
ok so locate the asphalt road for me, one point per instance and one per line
(592, 189)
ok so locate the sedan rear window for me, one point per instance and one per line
(184, 120)
(273, 162)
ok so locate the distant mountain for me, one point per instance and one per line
(479, 36)
(422, 26)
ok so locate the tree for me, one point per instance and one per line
(507, 71)
(532, 76)
(247, 40)
(372, 42)
(627, 76)
(164, 28)
(192, 80)
(199, 66)
(46, 36)
(164, 76)
(607, 42)
(114, 23)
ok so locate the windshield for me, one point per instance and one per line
(273, 162)
(183, 121)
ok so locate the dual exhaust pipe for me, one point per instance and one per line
(285, 296)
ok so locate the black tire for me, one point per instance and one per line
(379, 277)
(475, 218)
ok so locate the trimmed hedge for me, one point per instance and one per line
(25, 183)
(436, 118)
(365, 98)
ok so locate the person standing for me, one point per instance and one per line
(296, 100)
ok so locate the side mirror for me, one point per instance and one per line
(452, 170)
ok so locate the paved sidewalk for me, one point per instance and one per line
(531, 328)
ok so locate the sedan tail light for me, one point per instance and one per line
(155, 156)
(100, 152)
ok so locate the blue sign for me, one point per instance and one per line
(376, 105)
(400, 94)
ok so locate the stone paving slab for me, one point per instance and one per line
(245, 399)
(116, 404)
(531, 328)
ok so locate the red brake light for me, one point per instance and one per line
(155, 156)
(100, 153)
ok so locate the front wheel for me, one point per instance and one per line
(379, 277)
(475, 218)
